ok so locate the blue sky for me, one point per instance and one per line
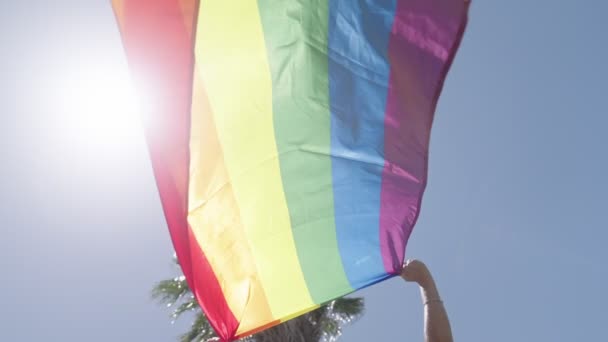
(513, 224)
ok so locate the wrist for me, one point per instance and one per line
(429, 290)
(426, 280)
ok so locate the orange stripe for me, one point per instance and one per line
(189, 10)
(215, 220)
(258, 329)
(160, 55)
(119, 12)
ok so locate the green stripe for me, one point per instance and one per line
(296, 34)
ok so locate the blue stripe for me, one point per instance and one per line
(359, 32)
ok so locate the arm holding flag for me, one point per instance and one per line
(436, 322)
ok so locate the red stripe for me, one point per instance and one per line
(209, 294)
(424, 40)
(160, 47)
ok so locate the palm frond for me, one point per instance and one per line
(338, 314)
(347, 309)
(170, 291)
(200, 331)
(323, 324)
(187, 306)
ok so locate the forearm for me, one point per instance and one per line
(436, 323)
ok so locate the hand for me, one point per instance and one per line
(416, 271)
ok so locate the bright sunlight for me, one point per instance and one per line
(97, 107)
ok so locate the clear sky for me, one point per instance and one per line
(513, 223)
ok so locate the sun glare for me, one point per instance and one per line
(97, 108)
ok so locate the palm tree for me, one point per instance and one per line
(322, 324)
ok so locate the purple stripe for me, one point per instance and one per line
(424, 40)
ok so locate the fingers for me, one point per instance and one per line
(406, 271)
(414, 270)
(407, 263)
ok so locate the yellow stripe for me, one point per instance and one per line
(216, 223)
(231, 53)
(299, 313)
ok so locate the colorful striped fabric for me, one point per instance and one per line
(289, 140)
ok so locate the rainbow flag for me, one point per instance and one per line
(289, 140)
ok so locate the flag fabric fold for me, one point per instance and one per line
(289, 141)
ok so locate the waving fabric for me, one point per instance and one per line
(289, 141)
